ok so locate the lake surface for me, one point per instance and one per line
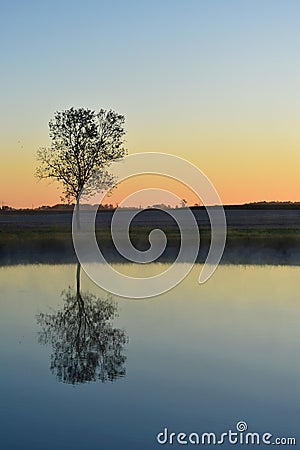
(196, 359)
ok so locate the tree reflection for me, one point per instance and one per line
(86, 346)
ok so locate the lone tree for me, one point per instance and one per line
(83, 142)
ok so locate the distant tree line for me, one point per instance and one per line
(109, 206)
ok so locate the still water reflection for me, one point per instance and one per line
(199, 358)
(86, 346)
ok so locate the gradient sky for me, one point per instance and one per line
(213, 81)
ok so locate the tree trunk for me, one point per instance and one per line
(77, 213)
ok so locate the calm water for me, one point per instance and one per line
(197, 359)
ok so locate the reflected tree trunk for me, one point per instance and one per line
(86, 346)
(78, 284)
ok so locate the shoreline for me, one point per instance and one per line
(253, 237)
(243, 246)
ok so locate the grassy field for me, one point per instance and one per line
(258, 246)
(252, 237)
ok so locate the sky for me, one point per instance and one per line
(213, 81)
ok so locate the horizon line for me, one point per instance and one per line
(70, 206)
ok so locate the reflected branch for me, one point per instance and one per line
(86, 346)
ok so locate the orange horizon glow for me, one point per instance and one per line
(244, 167)
(43, 193)
(233, 188)
(246, 161)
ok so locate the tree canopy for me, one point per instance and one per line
(83, 142)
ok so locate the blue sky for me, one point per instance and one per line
(181, 71)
